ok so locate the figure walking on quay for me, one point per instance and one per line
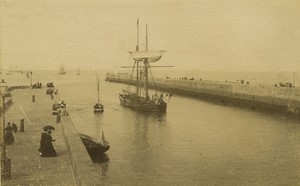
(47, 149)
(8, 135)
(42, 141)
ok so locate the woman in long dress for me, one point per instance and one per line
(8, 135)
(42, 141)
(47, 148)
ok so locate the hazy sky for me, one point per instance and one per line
(199, 34)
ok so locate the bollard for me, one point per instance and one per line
(33, 98)
(6, 173)
(21, 125)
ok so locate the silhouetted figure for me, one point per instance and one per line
(8, 135)
(47, 147)
(42, 141)
(58, 116)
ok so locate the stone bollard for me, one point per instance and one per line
(21, 125)
(6, 173)
(33, 98)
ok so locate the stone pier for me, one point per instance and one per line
(72, 166)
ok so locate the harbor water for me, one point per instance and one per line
(194, 143)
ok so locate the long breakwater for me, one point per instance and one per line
(284, 99)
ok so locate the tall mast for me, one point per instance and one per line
(98, 86)
(137, 63)
(146, 37)
(137, 36)
(146, 63)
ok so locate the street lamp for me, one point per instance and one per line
(4, 161)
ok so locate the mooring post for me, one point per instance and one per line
(21, 125)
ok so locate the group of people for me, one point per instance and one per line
(59, 109)
(37, 85)
(46, 147)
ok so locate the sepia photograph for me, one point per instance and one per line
(149, 92)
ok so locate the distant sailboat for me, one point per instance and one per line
(78, 73)
(98, 107)
(62, 70)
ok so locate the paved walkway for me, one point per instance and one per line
(27, 167)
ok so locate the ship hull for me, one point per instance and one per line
(98, 107)
(141, 104)
(99, 110)
(92, 146)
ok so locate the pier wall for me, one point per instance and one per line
(84, 170)
(69, 146)
(253, 96)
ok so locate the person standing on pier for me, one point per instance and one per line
(8, 135)
(47, 148)
(42, 141)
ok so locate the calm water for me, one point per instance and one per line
(194, 143)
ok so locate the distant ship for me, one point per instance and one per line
(140, 100)
(62, 70)
(78, 73)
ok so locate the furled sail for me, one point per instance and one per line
(152, 56)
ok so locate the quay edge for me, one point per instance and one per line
(72, 152)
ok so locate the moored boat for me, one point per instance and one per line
(98, 107)
(93, 146)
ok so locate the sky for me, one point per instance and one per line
(209, 35)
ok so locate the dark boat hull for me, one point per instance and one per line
(98, 110)
(98, 107)
(92, 146)
(141, 104)
(97, 150)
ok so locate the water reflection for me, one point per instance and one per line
(143, 144)
(103, 161)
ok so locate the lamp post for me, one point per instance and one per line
(3, 88)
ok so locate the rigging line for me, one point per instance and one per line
(130, 77)
(111, 108)
(79, 109)
(153, 84)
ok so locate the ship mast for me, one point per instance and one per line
(146, 63)
(98, 87)
(137, 63)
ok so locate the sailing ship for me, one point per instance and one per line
(98, 107)
(93, 146)
(62, 70)
(140, 100)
